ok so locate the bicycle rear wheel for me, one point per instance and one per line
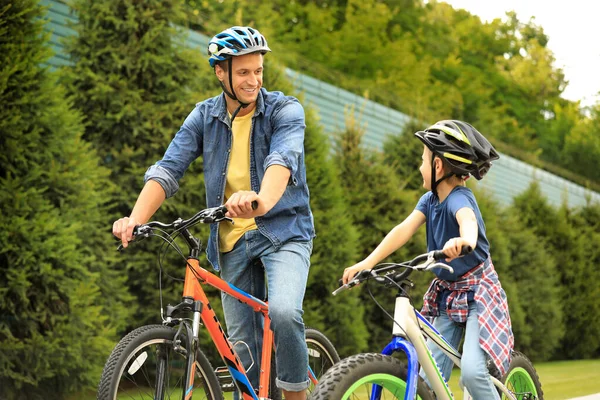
(356, 377)
(322, 355)
(145, 362)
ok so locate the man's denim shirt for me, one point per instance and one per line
(277, 138)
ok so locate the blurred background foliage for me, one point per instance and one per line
(76, 142)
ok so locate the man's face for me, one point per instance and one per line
(246, 74)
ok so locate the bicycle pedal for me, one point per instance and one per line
(225, 379)
(221, 370)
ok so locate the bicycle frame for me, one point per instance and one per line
(197, 276)
(409, 333)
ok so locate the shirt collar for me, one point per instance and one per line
(220, 108)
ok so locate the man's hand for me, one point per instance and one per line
(123, 229)
(239, 205)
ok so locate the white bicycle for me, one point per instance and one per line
(377, 376)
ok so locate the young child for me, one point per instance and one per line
(471, 299)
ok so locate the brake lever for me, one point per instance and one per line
(439, 265)
(210, 219)
(362, 275)
(348, 285)
(139, 232)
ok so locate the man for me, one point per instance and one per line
(252, 144)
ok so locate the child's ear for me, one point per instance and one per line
(439, 164)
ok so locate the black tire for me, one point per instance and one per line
(369, 368)
(522, 379)
(131, 367)
(322, 355)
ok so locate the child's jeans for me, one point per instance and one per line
(474, 373)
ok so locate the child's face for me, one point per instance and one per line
(425, 167)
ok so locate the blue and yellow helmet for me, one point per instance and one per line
(236, 41)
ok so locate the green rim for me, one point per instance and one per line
(389, 382)
(519, 381)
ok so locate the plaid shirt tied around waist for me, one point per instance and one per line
(495, 332)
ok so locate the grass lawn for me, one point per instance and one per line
(560, 379)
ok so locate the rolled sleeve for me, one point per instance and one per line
(287, 141)
(277, 159)
(164, 179)
(185, 147)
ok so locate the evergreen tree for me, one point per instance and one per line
(403, 153)
(571, 236)
(579, 277)
(533, 268)
(59, 301)
(496, 219)
(334, 248)
(135, 82)
(377, 202)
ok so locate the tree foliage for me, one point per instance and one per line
(134, 82)
(377, 202)
(74, 152)
(432, 62)
(59, 301)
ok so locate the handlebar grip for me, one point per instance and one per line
(440, 255)
(254, 206)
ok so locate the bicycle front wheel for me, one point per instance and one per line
(356, 377)
(145, 363)
(522, 380)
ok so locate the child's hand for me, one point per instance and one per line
(351, 272)
(453, 248)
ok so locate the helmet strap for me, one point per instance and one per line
(434, 182)
(232, 94)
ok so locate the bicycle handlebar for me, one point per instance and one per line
(206, 216)
(423, 262)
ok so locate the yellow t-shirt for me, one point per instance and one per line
(238, 178)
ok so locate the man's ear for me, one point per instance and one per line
(220, 73)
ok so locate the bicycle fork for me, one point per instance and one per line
(191, 342)
(407, 337)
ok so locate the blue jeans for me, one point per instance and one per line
(474, 374)
(286, 271)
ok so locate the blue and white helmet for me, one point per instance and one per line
(236, 41)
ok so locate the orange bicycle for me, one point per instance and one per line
(166, 362)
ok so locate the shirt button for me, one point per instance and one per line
(223, 174)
